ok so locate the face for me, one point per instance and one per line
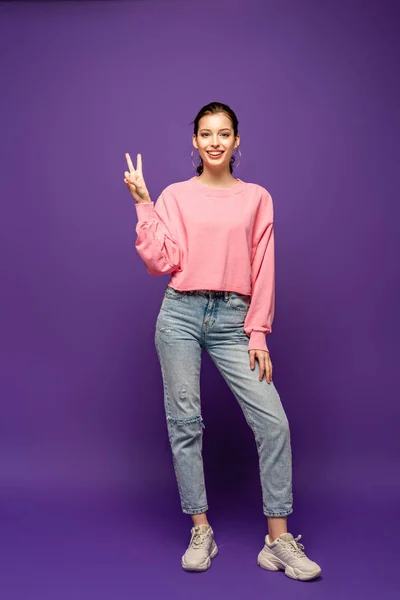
(215, 135)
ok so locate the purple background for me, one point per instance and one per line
(89, 503)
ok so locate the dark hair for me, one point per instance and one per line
(211, 109)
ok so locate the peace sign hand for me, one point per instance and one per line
(135, 181)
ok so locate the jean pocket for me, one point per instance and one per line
(239, 301)
(174, 294)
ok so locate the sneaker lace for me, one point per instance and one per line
(198, 538)
(294, 546)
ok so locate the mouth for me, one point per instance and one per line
(216, 154)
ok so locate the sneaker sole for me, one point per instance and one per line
(264, 563)
(203, 566)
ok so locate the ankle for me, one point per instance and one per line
(200, 520)
(272, 538)
(276, 526)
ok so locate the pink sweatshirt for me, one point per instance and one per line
(214, 239)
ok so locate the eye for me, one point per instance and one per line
(224, 134)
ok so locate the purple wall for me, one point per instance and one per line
(316, 88)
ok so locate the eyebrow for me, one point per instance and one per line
(224, 129)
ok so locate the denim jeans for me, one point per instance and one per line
(188, 322)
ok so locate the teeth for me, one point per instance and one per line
(215, 153)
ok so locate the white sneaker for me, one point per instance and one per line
(285, 553)
(202, 548)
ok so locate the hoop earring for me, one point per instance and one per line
(191, 154)
(240, 159)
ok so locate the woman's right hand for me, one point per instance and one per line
(135, 182)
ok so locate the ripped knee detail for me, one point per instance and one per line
(187, 420)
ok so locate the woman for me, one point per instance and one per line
(214, 234)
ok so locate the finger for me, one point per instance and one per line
(269, 363)
(139, 163)
(130, 176)
(252, 360)
(130, 164)
(269, 374)
(261, 361)
(129, 182)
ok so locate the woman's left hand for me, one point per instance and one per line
(264, 362)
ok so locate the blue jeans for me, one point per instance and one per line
(187, 323)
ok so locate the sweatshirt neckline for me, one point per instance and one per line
(218, 192)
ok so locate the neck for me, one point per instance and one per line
(213, 179)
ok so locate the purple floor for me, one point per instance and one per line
(83, 548)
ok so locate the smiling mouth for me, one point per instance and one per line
(211, 153)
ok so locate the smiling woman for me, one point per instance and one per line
(216, 141)
(214, 234)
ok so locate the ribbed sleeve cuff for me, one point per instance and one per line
(258, 341)
(144, 210)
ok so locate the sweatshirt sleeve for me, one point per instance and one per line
(155, 244)
(260, 315)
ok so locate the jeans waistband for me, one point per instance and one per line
(209, 293)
